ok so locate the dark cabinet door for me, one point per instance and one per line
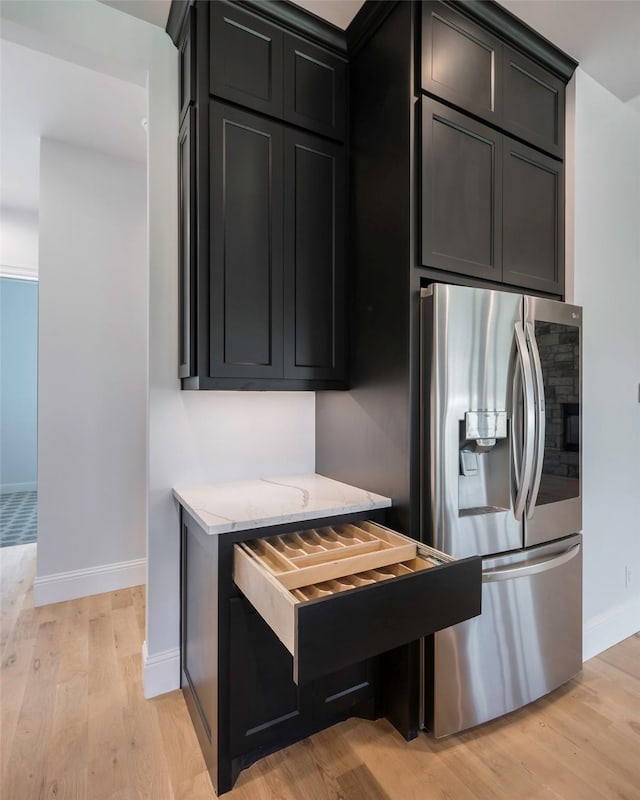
(315, 88)
(266, 706)
(533, 102)
(461, 193)
(246, 244)
(338, 693)
(314, 257)
(246, 59)
(461, 62)
(533, 219)
(187, 244)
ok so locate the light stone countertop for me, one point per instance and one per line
(243, 505)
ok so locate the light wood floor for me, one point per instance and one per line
(75, 725)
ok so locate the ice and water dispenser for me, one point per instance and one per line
(484, 477)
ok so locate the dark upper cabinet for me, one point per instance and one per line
(261, 297)
(187, 71)
(186, 243)
(491, 207)
(246, 244)
(533, 102)
(315, 208)
(461, 62)
(315, 85)
(465, 65)
(461, 193)
(533, 219)
(246, 59)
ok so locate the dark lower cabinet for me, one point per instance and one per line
(267, 706)
(533, 219)
(353, 688)
(251, 691)
(246, 244)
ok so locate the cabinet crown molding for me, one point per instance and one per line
(518, 34)
(288, 15)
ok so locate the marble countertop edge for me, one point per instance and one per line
(248, 505)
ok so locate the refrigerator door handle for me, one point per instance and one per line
(540, 419)
(532, 567)
(529, 423)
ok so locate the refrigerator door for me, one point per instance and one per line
(554, 504)
(526, 642)
(475, 361)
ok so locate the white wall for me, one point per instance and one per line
(607, 284)
(18, 242)
(92, 364)
(192, 438)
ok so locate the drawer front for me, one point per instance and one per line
(335, 630)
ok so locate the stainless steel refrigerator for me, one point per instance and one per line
(501, 418)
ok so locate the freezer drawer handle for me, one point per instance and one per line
(530, 567)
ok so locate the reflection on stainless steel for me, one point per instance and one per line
(472, 371)
(526, 642)
(510, 493)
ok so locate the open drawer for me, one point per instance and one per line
(339, 595)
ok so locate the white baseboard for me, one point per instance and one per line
(10, 488)
(611, 627)
(160, 672)
(84, 582)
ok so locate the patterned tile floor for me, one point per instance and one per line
(18, 518)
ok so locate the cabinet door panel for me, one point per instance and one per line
(246, 245)
(533, 106)
(460, 61)
(533, 229)
(246, 59)
(461, 197)
(315, 205)
(187, 244)
(266, 705)
(315, 84)
(338, 692)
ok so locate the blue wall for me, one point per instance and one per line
(18, 384)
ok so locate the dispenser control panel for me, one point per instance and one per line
(485, 425)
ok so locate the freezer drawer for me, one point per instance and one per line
(348, 610)
(526, 642)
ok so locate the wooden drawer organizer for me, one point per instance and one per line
(318, 562)
(341, 594)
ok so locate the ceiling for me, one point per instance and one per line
(46, 96)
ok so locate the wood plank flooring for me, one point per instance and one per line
(75, 725)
